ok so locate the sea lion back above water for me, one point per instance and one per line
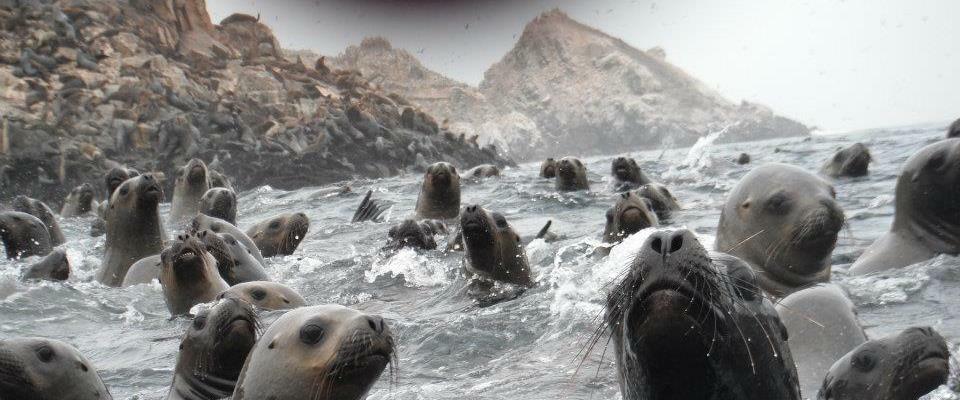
(440, 193)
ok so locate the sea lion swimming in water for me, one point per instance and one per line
(440, 193)
(326, 352)
(493, 248)
(688, 324)
(627, 174)
(413, 234)
(220, 203)
(926, 219)
(852, 161)
(205, 222)
(79, 202)
(784, 222)
(191, 184)
(188, 275)
(661, 200)
(629, 215)
(134, 230)
(112, 180)
(213, 351)
(369, 209)
(43, 212)
(571, 175)
(279, 235)
(953, 130)
(234, 261)
(266, 295)
(54, 267)
(548, 169)
(481, 172)
(23, 235)
(822, 324)
(39, 368)
(898, 367)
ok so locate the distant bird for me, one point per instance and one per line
(467, 26)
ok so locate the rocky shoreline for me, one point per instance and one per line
(87, 85)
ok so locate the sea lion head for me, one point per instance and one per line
(493, 248)
(23, 235)
(193, 174)
(661, 199)
(682, 314)
(629, 215)
(548, 169)
(280, 234)
(38, 368)
(321, 352)
(571, 174)
(83, 195)
(116, 176)
(266, 295)
(140, 192)
(410, 233)
(784, 221)
(625, 169)
(926, 195)
(850, 161)
(441, 176)
(899, 367)
(221, 203)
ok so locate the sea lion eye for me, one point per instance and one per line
(199, 322)
(311, 334)
(258, 294)
(864, 361)
(45, 354)
(274, 224)
(124, 190)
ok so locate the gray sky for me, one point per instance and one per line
(836, 64)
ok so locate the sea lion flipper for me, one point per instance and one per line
(369, 209)
(545, 230)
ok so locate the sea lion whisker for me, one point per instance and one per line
(742, 242)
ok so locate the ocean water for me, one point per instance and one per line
(533, 347)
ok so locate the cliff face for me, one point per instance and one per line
(566, 88)
(89, 84)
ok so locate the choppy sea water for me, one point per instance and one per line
(528, 348)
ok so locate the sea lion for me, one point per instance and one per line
(79, 201)
(629, 215)
(410, 233)
(279, 235)
(39, 368)
(322, 352)
(953, 130)
(493, 249)
(784, 222)
(627, 174)
(823, 327)
(661, 200)
(23, 235)
(266, 295)
(440, 193)
(190, 185)
(220, 203)
(188, 275)
(482, 171)
(145, 270)
(571, 175)
(548, 169)
(234, 261)
(54, 267)
(219, 180)
(43, 212)
(926, 219)
(213, 351)
(851, 161)
(205, 222)
(134, 230)
(742, 159)
(115, 177)
(369, 210)
(905, 366)
(688, 324)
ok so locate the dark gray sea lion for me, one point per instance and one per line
(926, 219)
(370, 209)
(188, 275)
(279, 235)
(493, 248)
(661, 200)
(40, 369)
(688, 324)
(627, 174)
(440, 193)
(413, 234)
(205, 222)
(213, 351)
(571, 175)
(54, 267)
(548, 168)
(784, 222)
(851, 161)
(823, 327)
(220, 203)
(40, 210)
(953, 130)
(134, 230)
(219, 180)
(629, 215)
(266, 295)
(482, 171)
(115, 177)
(145, 270)
(23, 235)
(743, 159)
(79, 202)
(191, 183)
(898, 367)
(326, 352)
(234, 261)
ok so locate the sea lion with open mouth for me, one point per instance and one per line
(571, 175)
(627, 175)
(188, 275)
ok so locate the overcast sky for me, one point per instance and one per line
(839, 65)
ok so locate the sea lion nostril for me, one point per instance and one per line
(676, 243)
(657, 245)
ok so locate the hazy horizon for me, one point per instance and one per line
(836, 65)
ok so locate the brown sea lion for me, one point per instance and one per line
(134, 230)
(571, 175)
(661, 200)
(493, 248)
(188, 275)
(548, 168)
(279, 235)
(266, 295)
(440, 193)
(851, 161)
(629, 215)
(40, 210)
(410, 233)
(39, 369)
(191, 183)
(220, 203)
(54, 267)
(627, 174)
(23, 235)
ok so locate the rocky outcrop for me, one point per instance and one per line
(89, 84)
